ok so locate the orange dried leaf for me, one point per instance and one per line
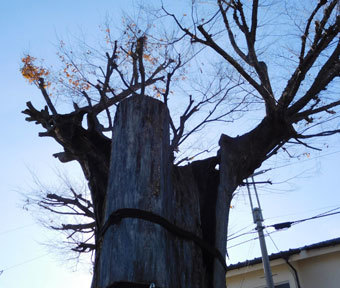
(30, 71)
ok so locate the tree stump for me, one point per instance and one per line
(143, 177)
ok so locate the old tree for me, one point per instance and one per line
(155, 221)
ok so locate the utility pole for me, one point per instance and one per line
(258, 219)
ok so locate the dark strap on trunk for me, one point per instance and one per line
(119, 214)
(126, 284)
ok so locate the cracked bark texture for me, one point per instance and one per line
(142, 176)
(195, 197)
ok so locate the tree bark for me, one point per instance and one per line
(142, 177)
(194, 198)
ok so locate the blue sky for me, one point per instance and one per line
(33, 26)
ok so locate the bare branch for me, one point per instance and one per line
(268, 98)
(308, 61)
(230, 32)
(140, 53)
(208, 118)
(320, 26)
(303, 115)
(84, 248)
(304, 144)
(169, 78)
(63, 201)
(321, 134)
(122, 95)
(327, 73)
(46, 96)
(254, 21)
(82, 228)
(180, 130)
(191, 157)
(306, 33)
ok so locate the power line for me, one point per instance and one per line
(309, 159)
(23, 263)
(291, 164)
(288, 224)
(252, 231)
(238, 244)
(305, 211)
(255, 238)
(271, 238)
(240, 230)
(15, 229)
(330, 211)
(283, 225)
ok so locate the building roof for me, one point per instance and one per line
(286, 254)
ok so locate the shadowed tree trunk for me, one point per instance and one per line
(142, 177)
(163, 223)
(174, 234)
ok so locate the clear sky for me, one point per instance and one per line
(33, 26)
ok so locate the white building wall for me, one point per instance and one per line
(320, 272)
(255, 278)
(317, 268)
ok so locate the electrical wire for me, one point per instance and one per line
(283, 225)
(252, 239)
(334, 209)
(309, 159)
(291, 164)
(271, 238)
(232, 234)
(23, 263)
(252, 231)
(15, 229)
(288, 224)
(238, 244)
(305, 211)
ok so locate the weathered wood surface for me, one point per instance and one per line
(227, 184)
(141, 176)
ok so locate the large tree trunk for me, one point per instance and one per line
(193, 201)
(135, 250)
(174, 234)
